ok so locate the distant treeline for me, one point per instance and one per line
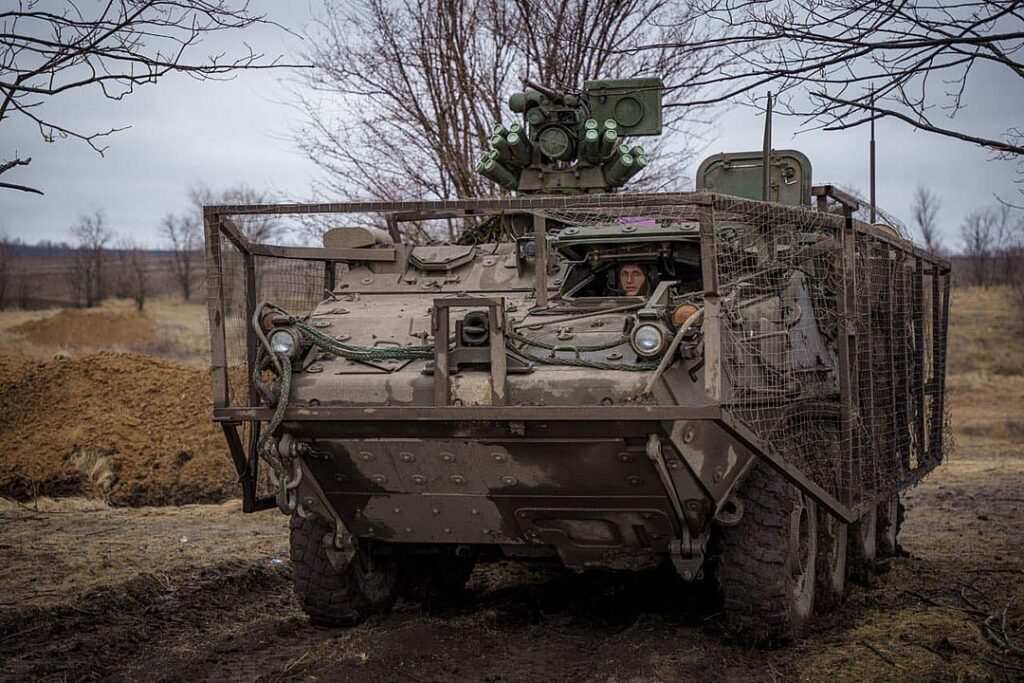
(47, 276)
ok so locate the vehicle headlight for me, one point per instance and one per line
(284, 342)
(648, 340)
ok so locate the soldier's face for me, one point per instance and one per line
(631, 279)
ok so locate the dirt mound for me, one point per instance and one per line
(127, 427)
(79, 328)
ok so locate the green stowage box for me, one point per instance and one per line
(634, 104)
(740, 175)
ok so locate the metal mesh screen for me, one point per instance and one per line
(294, 284)
(832, 347)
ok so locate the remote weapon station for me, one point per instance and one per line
(736, 382)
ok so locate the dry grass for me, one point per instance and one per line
(986, 372)
(182, 332)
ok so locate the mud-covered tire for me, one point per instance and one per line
(436, 576)
(334, 598)
(863, 546)
(830, 574)
(768, 561)
(890, 519)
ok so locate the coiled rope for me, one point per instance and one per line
(358, 352)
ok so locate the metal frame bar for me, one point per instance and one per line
(712, 309)
(215, 311)
(540, 270)
(431, 413)
(917, 306)
(845, 305)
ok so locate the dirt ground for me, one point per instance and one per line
(90, 591)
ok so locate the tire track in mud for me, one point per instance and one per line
(239, 621)
(118, 632)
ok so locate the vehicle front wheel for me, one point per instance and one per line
(368, 585)
(768, 560)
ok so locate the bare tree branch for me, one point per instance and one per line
(49, 49)
(835, 63)
(405, 94)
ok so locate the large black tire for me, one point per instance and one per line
(830, 574)
(330, 597)
(768, 560)
(890, 519)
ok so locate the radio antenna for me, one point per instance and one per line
(766, 168)
(872, 180)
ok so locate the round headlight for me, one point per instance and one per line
(648, 340)
(283, 342)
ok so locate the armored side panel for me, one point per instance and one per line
(739, 174)
(634, 103)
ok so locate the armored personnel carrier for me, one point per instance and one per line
(735, 382)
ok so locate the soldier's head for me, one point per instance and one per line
(633, 280)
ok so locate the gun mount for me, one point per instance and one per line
(574, 142)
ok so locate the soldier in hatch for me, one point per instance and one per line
(633, 280)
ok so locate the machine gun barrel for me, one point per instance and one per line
(552, 94)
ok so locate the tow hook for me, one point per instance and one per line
(730, 513)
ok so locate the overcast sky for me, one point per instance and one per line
(185, 132)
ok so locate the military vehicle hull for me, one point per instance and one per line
(803, 389)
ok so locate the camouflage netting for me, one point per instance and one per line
(798, 294)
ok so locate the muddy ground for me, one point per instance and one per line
(90, 591)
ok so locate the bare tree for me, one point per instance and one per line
(51, 50)
(255, 228)
(977, 237)
(405, 94)
(1006, 236)
(836, 63)
(24, 288)
(6, 266)
(926, 211)
(184, 236)
(132, 272)
(86, 274)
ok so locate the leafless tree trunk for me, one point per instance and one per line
(86, 276)
(926, 211)
(51, 49)
(132, 274)
(406, 93)
(24, 288)
(976, 233)
(1006, 229)
(184, 236)
(6, 258)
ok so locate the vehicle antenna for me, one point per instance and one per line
(766, 169)
(872, 181)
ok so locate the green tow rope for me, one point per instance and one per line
(356, 352)
(282, 405)
(372, 353)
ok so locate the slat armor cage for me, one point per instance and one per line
(859, 414)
